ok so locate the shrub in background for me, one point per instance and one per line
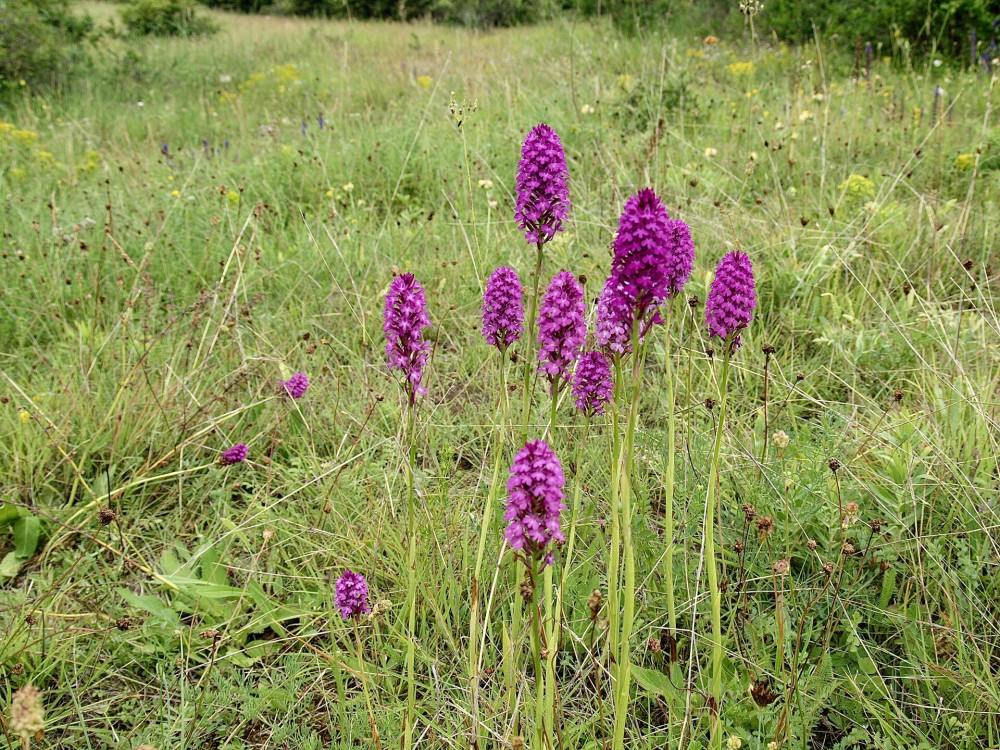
(40, 41)
(941, 27)
(166, 18)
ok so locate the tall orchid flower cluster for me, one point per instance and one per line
(651, 262)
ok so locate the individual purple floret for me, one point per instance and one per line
(593, 385)
(234, 455)
(296, 385)
(731, 298)
(405, 320)
(352, 595)
(653, 255)
(542, 190)
(535, 501)
(562, 328)
(503, 308)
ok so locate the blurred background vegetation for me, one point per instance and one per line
(44, 42)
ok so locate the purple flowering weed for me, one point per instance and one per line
(731, 298)
(406, 318)
(653, 254)
(236, 454)
(503, 308)
(535, 500)
(352, 594)
(542, 190)
(296, 385)
(562, 328)
(593, 385)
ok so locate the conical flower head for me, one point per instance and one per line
(351, 594)
(562, 328)
(503, 308)
(614, 319)
(535, 500)
(593, 385)
(236, 454)
(405, 320)
(27, 714)
(653, 254)
(296, 386)
(731, 298)
(542, 189)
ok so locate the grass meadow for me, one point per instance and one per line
(192, 221)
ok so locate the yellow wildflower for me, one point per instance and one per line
(964, 162)
(425, 81)
(740, 68)
(858, 185)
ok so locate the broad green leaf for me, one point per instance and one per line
(8, 513)
(27, 529)
(10, 564)
(653, 681)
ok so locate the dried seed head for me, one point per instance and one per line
(780, 439)
(768, 349)
(883, 566)
(765, 527)
(653, 644)
(811, 545)
(125, 624)
(106, 516)
(834, 464)
(848, 549)
(724, 586)
(210, 634)
(897, 395)
(762, 693)
(527, 588)
(17, 670)
(828, 568)
(693, 301)
(749, 511)
(876, 525)
(594, 604)
(738, 547)
(781, 567)
(799, 377)
(709, 352)
(710, 403)
(517, 743)
(27, 716)
(967, 264)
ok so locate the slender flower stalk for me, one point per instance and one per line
(352, 600)
(653, 257)
(542, 207)
(406, 317)
(728, 310)
(534, 509)
(503, 317)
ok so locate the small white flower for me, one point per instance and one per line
(734, 743)
(140, 104)
(710, 152)
(938, 63)
(225, 78)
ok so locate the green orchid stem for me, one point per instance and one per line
(543, 736)
(709, 547)
(485, 532)
(364, 686)
(529, 335)
(668, 497)
(411, 583)
(624, 670)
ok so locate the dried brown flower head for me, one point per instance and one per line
(762, 693)
(828, 568)
(653, 644)
(897, 395)
(781, 567)
(749, 511)
(834, 464)
(848, 549)
(106, 516)
(768, 349)
(594, 604)
(876, 525)
(710, 403)
(811, 545)
(765, 527)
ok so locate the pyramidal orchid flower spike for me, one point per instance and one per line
(296, 385)
(593, 385)
(535, 501)
(653, 254)
(236, 454)
(503, 308)
(542, 186)
(562, 327)
(405, 320)
(731, 298)
(613, 324)
(351, 595)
